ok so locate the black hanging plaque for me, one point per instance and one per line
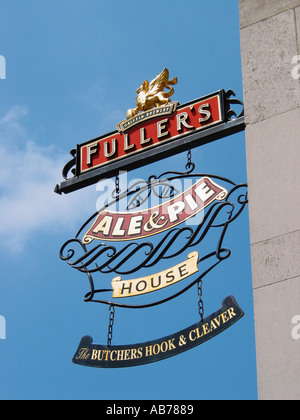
(100, 356)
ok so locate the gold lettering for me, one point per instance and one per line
(190, 335)
(120, 355)
(212, 325)
(171, 344)
(133, 354)
(83, 354)
(94, 354)
(217, 321)
(224, 317)
(148, 351)
(111, 358)
(156, 349)
(198, 333)
(231, 313)
(127, 354)
(164, 346)
(151, 224)
(205, 329)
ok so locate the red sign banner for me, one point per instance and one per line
(150, 129)
(118, 226)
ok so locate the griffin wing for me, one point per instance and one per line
(159, 83)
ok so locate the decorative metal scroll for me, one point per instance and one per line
(119, 259)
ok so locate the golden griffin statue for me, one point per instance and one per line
(153, 95)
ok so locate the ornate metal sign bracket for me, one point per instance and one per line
(91, 259)
(225, 202)
(127, 237)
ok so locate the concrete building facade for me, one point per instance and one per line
(270, 46)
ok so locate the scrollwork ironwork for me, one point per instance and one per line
(232, 101)
(127, 259)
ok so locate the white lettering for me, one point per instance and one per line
(2, 328)
(2, 67)
(104, 225)
(92, 149)
(181, 121)
(135, 225)
(191, 202)
(174, 210)
(161, 126)
(143, 137)
(296, 329)
(204, 112)
(117, 229)
(296, 68)
(202, 194)
(109, 153)
(127, 146)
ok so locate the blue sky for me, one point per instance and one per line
(72, 69)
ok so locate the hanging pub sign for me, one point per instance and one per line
(127, 244)
(154, 130)
(93, 355)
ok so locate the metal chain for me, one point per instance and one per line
(111, 324)
(117, 185)
(117, 190)
(189, 164)
(200, 302)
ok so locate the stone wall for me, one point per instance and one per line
(270, 44)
